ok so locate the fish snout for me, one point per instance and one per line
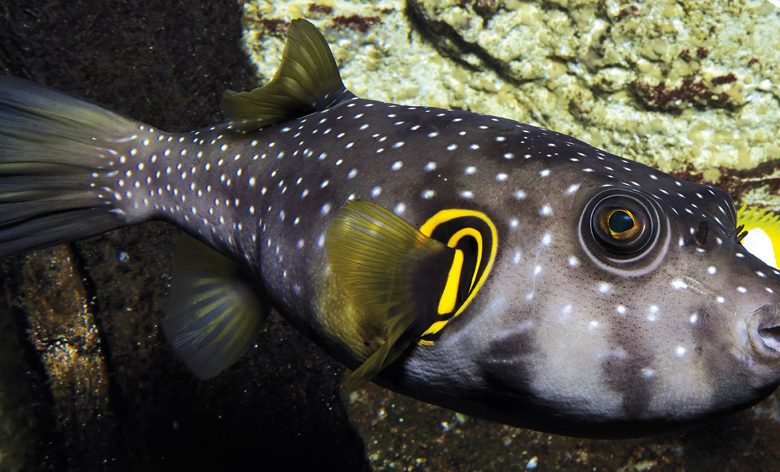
(764, 332)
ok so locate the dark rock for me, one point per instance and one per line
(95, 385)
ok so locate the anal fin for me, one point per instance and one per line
(214, 310)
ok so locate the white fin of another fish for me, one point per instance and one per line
(763, 233)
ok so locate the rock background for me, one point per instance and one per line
(690, 87)
(86, 380)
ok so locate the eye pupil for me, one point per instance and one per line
(620, 221)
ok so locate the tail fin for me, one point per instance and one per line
(57, 159)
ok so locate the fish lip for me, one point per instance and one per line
(764, 331)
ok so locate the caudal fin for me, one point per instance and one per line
(57, 159)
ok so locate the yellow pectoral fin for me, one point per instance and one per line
(392, 273)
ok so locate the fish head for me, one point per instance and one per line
(623, 305)
(679, 292)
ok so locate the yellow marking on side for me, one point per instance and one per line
(444, 216)
(450, 294)
(435, 327)
(447, 215)
(453, 242)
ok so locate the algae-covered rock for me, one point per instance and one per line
(689, 87)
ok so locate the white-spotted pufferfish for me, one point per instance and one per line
(492, 267)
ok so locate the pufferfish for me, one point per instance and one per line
(492, 267)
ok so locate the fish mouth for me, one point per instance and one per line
(764, 331)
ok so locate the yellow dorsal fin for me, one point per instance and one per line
(307, 79)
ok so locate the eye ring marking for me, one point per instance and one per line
(628, 259)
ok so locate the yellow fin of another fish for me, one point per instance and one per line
(757, 221)
(214, 310)
(307, 79)
(393, 274)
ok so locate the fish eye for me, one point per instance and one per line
(621, 224)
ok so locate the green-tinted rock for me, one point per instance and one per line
(687, 87)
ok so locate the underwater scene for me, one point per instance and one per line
(473, 235)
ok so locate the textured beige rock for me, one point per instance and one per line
(684, 86)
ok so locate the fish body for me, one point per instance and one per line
(493, 267)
